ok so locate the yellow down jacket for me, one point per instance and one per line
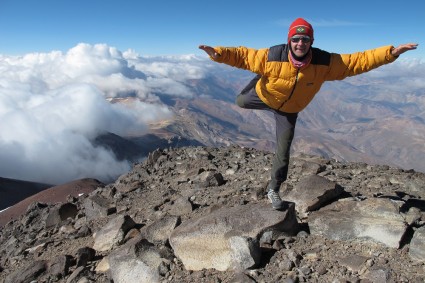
(288, 89)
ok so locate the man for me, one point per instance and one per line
(289, 76)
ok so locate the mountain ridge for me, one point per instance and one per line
(358, 118)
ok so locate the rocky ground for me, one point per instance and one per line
(61, 243)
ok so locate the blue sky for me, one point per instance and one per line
(178, 27)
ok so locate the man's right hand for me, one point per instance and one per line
(210, 51)
(403, 48)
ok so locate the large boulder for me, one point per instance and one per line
(113, 233)
(417, 245)
(375, 220)
(311, 193)
(227, 238)
(138, 261)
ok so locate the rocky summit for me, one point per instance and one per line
(199, 214)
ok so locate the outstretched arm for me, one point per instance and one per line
(210, 51)
(403, 48)
(240, 57)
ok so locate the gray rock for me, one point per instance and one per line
(286, 265)
(311, 193)
(417, 245)
(84, 255)
(136, 261)
(10, 246)
(84, 280)
(376, 220)
(377, 275)
(153, 157)
(28, 273)
(98, 207)
(160, 230)
(113, 233)
(75, 275)
(416, 186)
(126, 188)
(204, 242)
(209, 179)
(413, 216)
(130, 182)
(310, 167)
(241, 278)
(293, 256)
(180, 206)
(59, 266)
(245, 252)
(60, 213)
(353, 262)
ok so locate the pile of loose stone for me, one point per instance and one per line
(198, 214)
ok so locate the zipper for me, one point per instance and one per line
(293, 89)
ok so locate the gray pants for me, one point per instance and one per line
(285, 128)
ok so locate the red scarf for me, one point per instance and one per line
(304, 62)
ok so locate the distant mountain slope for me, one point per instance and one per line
(49, 195)
(13, 191)
(123, 149)
(362, 119)
(379, 125)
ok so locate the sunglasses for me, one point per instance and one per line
(304, 39)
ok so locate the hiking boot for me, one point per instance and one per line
(275, 199)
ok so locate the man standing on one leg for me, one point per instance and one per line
(285, 128)
(289, 76)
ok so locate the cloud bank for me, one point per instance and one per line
(404, 75)
(52, 105)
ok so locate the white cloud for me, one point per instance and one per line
(169, 74)
(53, 104)
(401, 68)
(404, 75)
(46, 137)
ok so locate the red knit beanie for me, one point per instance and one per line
(300, 26)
